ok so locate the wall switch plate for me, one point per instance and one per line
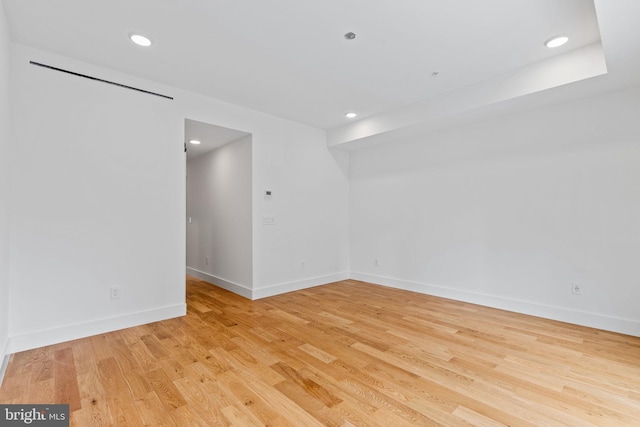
(268, 220)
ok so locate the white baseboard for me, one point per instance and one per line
(593, 320)
(4, 359)
(220, 282)
(269, 291)
(42, 338)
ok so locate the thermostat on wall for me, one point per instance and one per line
(267, 194)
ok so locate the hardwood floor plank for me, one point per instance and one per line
(165, 389)
(43, 391)
(306, 384)
(317, 353)
(95, 409)
(240, 418)
(43, 371)
(344, 354)
(204, 405)
(475, 419)
(154, 346)
(253, 401)
(152, 411)
(66, 379)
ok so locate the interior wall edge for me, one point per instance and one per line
(297, 285)
(581, 318)
(4, 360)
(230, 286)
(271, 290)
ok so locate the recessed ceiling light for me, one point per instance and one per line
(140, 40)
(350, 115)
(194, 141)
(556, 41)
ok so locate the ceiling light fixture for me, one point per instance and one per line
(194, 141)
(140, 40)
(556, 41)
(350, 115)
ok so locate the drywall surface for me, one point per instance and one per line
(301, 234)
(511, 212)
(4, 187)
(451, 107)
(98, 196)
(97, 202)
(219, 215)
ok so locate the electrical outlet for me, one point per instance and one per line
(115, 292)
(206, 260)
(576, 289)
(375, 262)
(302, 265)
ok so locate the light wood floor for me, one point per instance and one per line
(343, 354)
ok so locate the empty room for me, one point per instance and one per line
(320, 213)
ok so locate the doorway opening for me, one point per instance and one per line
(219, 240)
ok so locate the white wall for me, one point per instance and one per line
(308, 244)
(4, 187)
(98, 198)
(97, 201)
(510, 212)
(220, 212)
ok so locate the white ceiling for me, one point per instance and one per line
(210, 137)
(289, 57)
